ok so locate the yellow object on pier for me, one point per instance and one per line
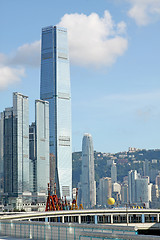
(111, 201)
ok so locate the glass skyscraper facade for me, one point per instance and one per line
(32, 159)
(8, 147)
(39, 149)
(1, 152)
(104, 190)
(55, 88)
(42, 145)
(15, 146)
(21, 113)
(88, 184)
(114, 173)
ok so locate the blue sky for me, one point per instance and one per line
(115, 65)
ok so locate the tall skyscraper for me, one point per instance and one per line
(55, 88)
(88, 184)
(139, 189)
(1, 152)
(39, 148)
(132, 176)
(105, 190)
(7, 148)
(21, 113)
(32, 158)
(15, 146)
(42, 145)
(124, 193)
(143, 191)
(114, 173)
(146, 168)
(158, 180)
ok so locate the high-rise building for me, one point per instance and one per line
(88, 184)
(21, 113)
(139, 189)
(116, 187)
(153, 173)
(39, 148)
(114, 173)
(32, 158)
(116, 192)
(124, 193)
(158, 180)
(55, 88)
(7, 148)
(146, 168)
(105, 190)
(42, 145)
(132, 176)
(1, 152)
(15, 146)
(143, 191)
(155, 196)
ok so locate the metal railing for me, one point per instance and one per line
(101, 236)
(69, 231)
(58, 231)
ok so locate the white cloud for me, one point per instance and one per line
(93, 40)
(144, 11)
(12, 67)
(145, 97)
(27, 55)
(9, 76)
(3, 59)
(121, 27)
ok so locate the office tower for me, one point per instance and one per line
(1, 154)
(55, 88)
(155, 193)
(153, 173)
(132, 176)
(6, 119)
(88, 185)
(116, 192)
(42, 145)
(105, 190)
(146, 168)
(150, 185)
(114, 173)
(139, 189)
(124, 193)
(158, 180)
(21, 114)
(39, 148)
(155, 196)
(32, 158)
(142, 191)
(79, 197)
(15, 141)
(116, 187)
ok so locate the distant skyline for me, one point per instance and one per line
(115, 66)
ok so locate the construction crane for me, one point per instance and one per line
(57, 204)
(54, 203)
(74, 203)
